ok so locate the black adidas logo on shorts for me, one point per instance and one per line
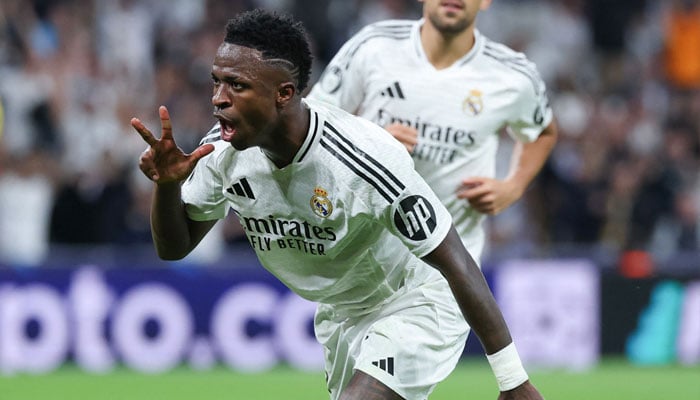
(385, 364)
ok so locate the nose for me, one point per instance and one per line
(219, 99)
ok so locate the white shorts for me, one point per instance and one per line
(410, 344)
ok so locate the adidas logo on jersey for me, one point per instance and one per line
(385, 364)
(393, 91)
(242, 188)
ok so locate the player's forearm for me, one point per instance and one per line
(169, 226)
(471, 292)
(480, 308)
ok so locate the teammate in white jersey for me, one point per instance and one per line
(445, 91)
(333, 207)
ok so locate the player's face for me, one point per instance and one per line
(245, 96)
(453, 16)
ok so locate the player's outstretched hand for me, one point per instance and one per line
(404, 134)
(164, 162)
(526, 391)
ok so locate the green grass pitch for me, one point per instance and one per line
(612, 379)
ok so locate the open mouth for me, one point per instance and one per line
(227, 130)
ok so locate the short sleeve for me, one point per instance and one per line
(419, 219)
(342, 82)
(202, 192)
(532, 111)
(403, 201)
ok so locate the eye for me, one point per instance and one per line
(235, 84)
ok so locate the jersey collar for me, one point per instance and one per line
(315, 128)
(420, 52)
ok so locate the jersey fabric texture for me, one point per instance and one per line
(344, 225)
(383, 74)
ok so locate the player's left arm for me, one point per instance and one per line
(534, 143)
(421, 221)
(481, 311)
(529, 158)
(469, 287)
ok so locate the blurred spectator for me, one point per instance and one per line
(127, 33)
(27, 94)
(2, 118)
(681, 28)
(26, 198)
(91, 207)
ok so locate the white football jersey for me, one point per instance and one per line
(344, 224)
(382, 74)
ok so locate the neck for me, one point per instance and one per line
(289, 135)
(443, 49)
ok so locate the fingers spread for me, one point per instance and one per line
(146, 135)
(165, 124)
(202, 151)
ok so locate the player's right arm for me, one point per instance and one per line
(174, 234)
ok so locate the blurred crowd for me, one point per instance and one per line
(623, 78)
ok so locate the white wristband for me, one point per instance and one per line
(507, 367)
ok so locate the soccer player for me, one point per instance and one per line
(333, 207)
(445, 91)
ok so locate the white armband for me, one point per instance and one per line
(507, 367)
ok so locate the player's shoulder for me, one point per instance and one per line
(391, 25)
(385, 31)
(500, 53)
(379, 38)
(213, 135)
(332, 115)
(361, 132)
(504, 60)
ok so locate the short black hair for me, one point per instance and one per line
(275, 36)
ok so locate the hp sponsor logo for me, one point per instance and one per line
(415, 218)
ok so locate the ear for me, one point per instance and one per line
(285, 92)
(485, 5)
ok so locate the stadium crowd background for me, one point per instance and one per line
(623, 78)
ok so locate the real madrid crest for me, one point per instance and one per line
(473, 104)
(320, 203)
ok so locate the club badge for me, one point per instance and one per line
(320, 204)
(473, 104)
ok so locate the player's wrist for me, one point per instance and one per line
(507, 368)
